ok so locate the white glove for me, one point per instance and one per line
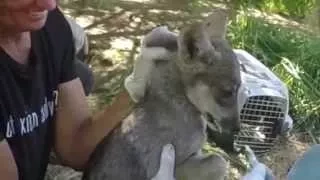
(167, 164)
(137, 81)
(259, 170)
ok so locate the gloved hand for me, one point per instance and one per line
(167, 162)
(137, 81)
(259, 170)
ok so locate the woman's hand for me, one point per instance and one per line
(167, 164)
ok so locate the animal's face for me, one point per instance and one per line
(211, 76)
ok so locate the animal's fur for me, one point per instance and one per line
(202, 79)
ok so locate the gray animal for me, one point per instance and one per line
(202, 80)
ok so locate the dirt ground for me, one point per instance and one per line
(285, 153)
(114, 32)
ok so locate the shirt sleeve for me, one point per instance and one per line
(1, 136)
(61, 37)
(68, 72)
(2, 128)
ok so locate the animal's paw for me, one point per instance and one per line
(167, 164)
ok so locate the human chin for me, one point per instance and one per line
(34, 21)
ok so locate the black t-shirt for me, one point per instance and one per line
(28, 95)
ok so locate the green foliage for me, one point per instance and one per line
(296, 8)
(293, 56)
(239, 161)
(292, 8)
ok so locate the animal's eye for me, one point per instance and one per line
(205, 58)
(236, 87)
(227, 93)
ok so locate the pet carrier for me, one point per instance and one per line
(263, 102)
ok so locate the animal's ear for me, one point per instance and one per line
(193, 40)
(195, 44)
(216, 23)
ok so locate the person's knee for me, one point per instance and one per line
(306, 167)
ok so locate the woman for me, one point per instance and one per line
(42, 101)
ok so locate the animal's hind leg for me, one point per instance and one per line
(201, 167)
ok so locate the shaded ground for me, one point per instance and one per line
(115, 31)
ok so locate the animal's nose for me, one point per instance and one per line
(236, 128)
(232, 125)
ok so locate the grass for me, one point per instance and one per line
(296, 9)
(293, 55)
